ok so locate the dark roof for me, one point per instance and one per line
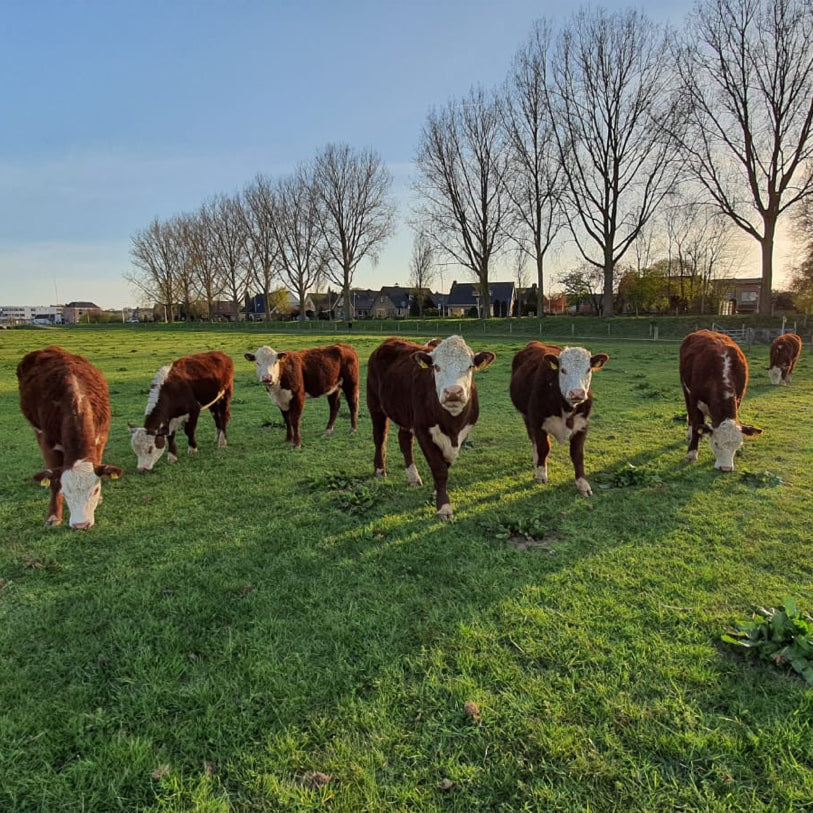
(360, 298)
(398, 296)
(462, 293)
(82, 305)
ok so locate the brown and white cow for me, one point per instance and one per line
(785, 352)
(714, 376)
(429, 392)
(178, 393)
(291, 377)
(551, 388)
(65, 398)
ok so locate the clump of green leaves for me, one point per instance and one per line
(782, 636)
(629, 476)
(648, 390)
(354, 494)
(760, 479)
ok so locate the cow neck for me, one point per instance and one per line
(78, 436)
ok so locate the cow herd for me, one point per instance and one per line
(427, 390)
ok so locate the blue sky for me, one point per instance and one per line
(116, 112)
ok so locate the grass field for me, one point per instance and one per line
(259, 628)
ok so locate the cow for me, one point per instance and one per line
(785, 352)
(178, 393)
(714, 376)
(291, 377)
(550, 387)
(65, 398)
(429, 392)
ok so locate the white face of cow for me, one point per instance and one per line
(576, 367)
(82, 489)
(148, 448)
(775, 374)
(725, 440)
(267, 362)
(454, 363)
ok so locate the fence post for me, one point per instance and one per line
(572, 328)
(655, 333)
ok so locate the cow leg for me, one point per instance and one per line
(351, 394)
(289, 434)
(333, 400)
(220, 414)
(405, 442)
(540, 449)
(577, 456)
(172, 448)
(190, 427)
(439, 467)
(380, 426)
(294, 416)
(694, 420)
(53, 460)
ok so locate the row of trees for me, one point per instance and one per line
(606, 131)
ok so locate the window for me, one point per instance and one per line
(748, 296)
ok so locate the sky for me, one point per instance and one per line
(117, 112)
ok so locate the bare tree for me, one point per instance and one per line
(355, 212)
(535, 169)
(156, 258)
(296, 226)
(261, 245)
(747, 72)
(208, 280)
(464, 203)
(422, 271)
(610, 101)
(229, 248)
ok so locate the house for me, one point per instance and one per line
(740, 295)
(464, 299)
(283, 309)
(392, 302)
(75, 312)
(361, 303)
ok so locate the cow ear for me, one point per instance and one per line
(133, 429)
(598, 361)
(160, 441)
(484, 359)
(113, 472)
(705, 429)
(553, 361)
(433, 343)
(45, 478)
(422, 359)
(249, 357)
(750, 430)
(281, 356)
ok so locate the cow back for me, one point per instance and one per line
(714, 369)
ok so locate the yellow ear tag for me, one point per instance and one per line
(114, 476)
(422, 364)
(44, 483)
(554, 366)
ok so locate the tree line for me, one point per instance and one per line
(611, 131)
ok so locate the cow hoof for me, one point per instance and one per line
(381, 473)
(445, 512)
(541, 476)
(171, 458)
(354, 430)
(691, 457)
(221, 444)
(53, 521)
(583, 487)
(191, 450)
(412, 476)
(328, 433)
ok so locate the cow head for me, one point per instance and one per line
(147, 446)
(576, 366)
(81, 486)
(453, 364)
(776, 374)
(267, 363)
(725, 439)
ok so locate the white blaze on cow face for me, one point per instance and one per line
(725, 440)
(454, 364)
(575, 366)
(148, 448)
(775, 374)
(267, 360)
(82, 489)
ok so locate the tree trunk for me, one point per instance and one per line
(485, 298)
(766, 244)
(540, 295)
(349, 315)
(301, 293)
(607, 300)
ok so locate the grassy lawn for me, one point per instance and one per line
(259, 628)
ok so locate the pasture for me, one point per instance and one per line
(258, 628)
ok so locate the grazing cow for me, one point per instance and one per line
(551, 388)
(291, 377)
(64, 397)
(178, 393)
(429, 392)
(785, 352)
(714, 376)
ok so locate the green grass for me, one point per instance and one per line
(241, 620)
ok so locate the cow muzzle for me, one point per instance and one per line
(81, 526)
(454, 394)
(576, 396)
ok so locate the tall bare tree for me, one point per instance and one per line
(156, 259)
(463, 198)
(747, 71)
(262, 250)
(208, 280)
(356, 215)
(535, 169)
(298, 234)
(609, 98)
(229, 248)
(422, 270)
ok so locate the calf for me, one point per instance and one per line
(714, 376)
(551, 388)
(178, 393)
(785, 352)
(429, 392)
(291, 377)
(64, 397)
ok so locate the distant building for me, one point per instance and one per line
(31, 314)
(255, 307)
(75, 312)
(361, 303)
(392, 302)
(464, 299)
(740, 295)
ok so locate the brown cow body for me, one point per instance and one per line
(785, 352)
(429, 392)
(178, 393)
(291, 377)
(714, 377)
(550, 387)
(65, 398)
